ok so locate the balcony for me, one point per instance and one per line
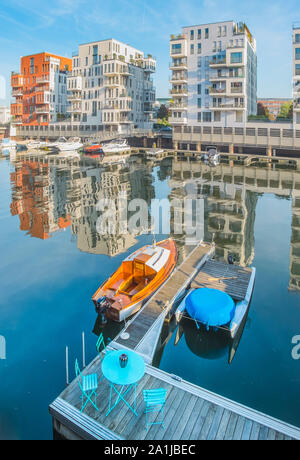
(178, 78)
(225, 77)
(178, 37)
(74, 97)
(179, 92)
(112, 83)
(216, 91)
(179, 106)
(17, 92)
(178, 121)
(218, 62)
(42, 80)
(44, 109)
(178, 66)
(228, 106)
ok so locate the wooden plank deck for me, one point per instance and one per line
(162, 301)
(191, 413)
(232, 279)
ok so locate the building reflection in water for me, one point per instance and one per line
(49, 198)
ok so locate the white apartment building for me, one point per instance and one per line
(111, 86)
(4, 115)
(214, 75)
(296, 73)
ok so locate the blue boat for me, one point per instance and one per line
(222, 299)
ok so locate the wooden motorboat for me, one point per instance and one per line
(139, 276)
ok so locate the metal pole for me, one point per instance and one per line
(67, 366)
(83, 350)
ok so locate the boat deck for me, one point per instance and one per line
(162, 301)
(191, 413)
(232, 279)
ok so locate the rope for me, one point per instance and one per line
(204, 324)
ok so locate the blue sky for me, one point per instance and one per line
(58, 26)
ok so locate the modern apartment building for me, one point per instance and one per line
(296, 73)
(214, 75)
(111, 86)
(40, 89)
(4, 115)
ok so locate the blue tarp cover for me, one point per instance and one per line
(210, 306)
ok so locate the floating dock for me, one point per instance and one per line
(191, 413)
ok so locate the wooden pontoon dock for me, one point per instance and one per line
(191, 412)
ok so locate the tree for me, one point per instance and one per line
(262, 110)
(163, 112)
(286, 110)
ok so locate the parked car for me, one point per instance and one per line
(166, 129)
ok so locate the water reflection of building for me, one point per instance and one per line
(295, 243)
(34, 200)
(49, 198)
(94, 185)
(230, 193)
(229, 208)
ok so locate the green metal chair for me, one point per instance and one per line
(155, 401)
(88, 385)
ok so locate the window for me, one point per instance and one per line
(215, 46)
(207, 117)
(199, 116)
(297, 38)
(199, 34)
(192, 49)
(192, 35)
(236, 58)
(176, 48)
(95, 54)
(206, 33)
(297, 69)
(217, 116)
(219, 31)
(199, 89)
(199, 48)
(206, 91)
(297, 54)
(239, 117)
(199, 103)
(224, 31)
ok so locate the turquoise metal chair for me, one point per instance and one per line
(155, 401)
(100, 345)
(88, 385)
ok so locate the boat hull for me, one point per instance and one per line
(121, 296)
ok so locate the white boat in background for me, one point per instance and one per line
(154, 153)
(72, 144)
(36, 145)
(212, 157)
(116, 146)
(67, 154)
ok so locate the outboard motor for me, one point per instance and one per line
(231, 259)
(102, 308)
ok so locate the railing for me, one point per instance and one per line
(178, 37)
(179, 91)
(217, 90)
(217, 61)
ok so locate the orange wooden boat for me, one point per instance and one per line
(139, 276)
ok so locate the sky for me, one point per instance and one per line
(59, 26)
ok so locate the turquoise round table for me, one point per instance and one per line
(126, 378)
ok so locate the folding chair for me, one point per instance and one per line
(100, 345)
(155, 402)
(88, 384)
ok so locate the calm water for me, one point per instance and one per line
(52, 261)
